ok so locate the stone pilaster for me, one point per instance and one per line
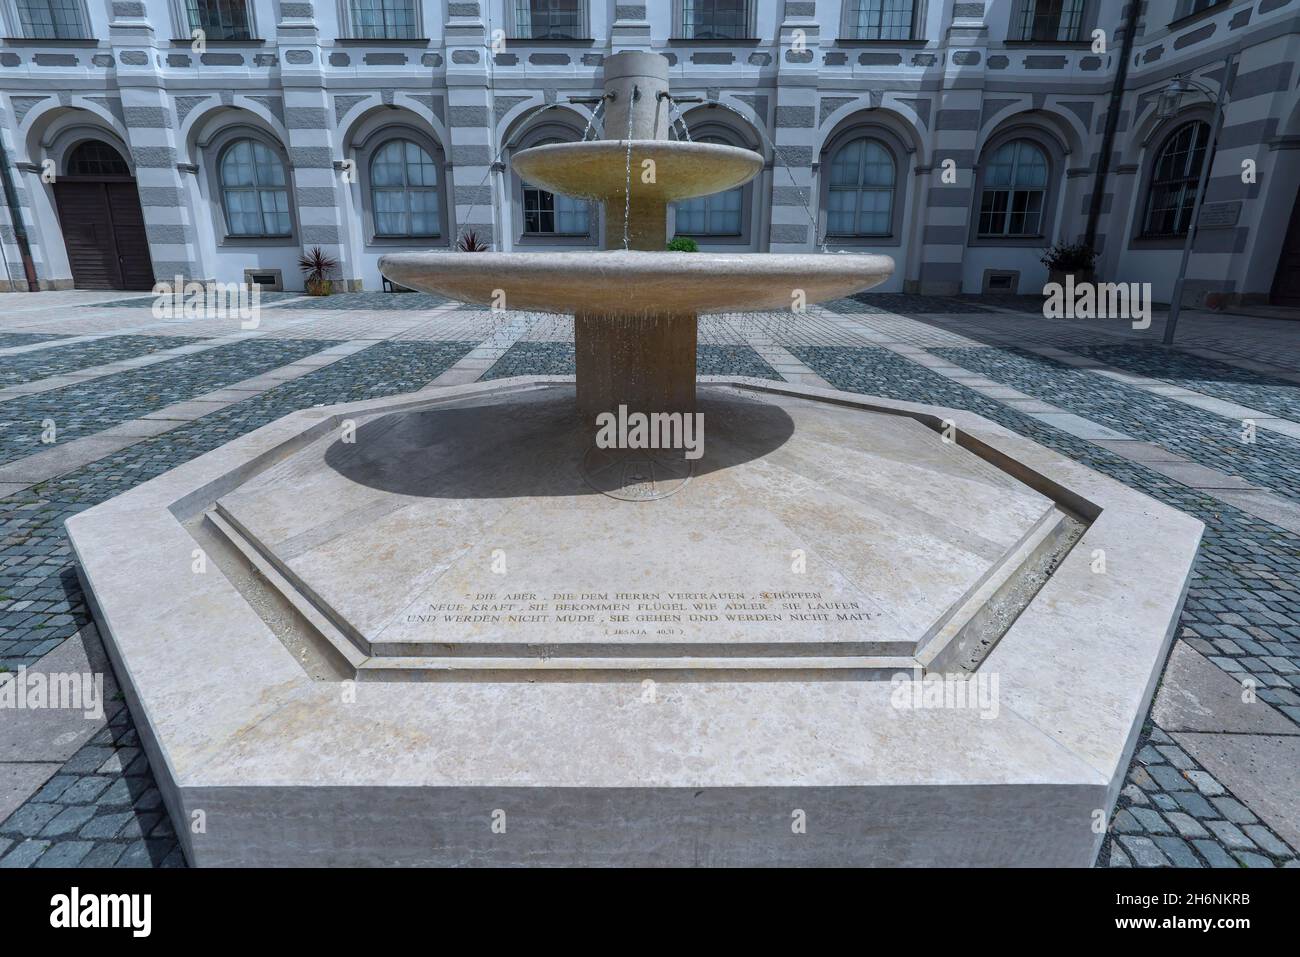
(948, 192)
(313, 142)
(630, 29)
(469, 123)
(794, 129)
(155, 150)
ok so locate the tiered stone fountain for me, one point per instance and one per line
(635, 305)
(412, 631)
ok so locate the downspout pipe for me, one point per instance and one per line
(16, 219)
(1112, 123)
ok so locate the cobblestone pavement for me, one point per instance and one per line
(41, 364)
(1193, 797)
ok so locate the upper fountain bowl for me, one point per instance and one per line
(598, 169)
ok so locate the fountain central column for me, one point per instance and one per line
(640, 357)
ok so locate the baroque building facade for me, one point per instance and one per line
(961, 138)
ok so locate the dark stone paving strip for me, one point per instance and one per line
(556, 358)
(98, 404)
(889, 302)
(1243, 604)
(10, 339)
(372, 301)
(30, 366)
(1272, 461)
(1207, 376)
(122, 823)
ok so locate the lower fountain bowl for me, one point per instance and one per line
(621, 282)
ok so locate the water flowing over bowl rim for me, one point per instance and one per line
(597, 169)
(633, 282)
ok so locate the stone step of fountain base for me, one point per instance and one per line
(958, 641)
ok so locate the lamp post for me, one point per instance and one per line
(1167, 108)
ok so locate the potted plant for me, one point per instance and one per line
(1070, 259)
(470, 243)
(316, 268)
(683, 244)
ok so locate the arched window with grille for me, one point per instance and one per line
(1013, 196)
(254, 190)
(860, 195)
(404, 191)
(95, 158)
(1175, 176)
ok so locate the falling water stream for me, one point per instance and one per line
(627, 188)
(591, 120)
(777, 159)
(680, 118)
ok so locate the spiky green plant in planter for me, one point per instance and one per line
(316, 269)
(470, 243)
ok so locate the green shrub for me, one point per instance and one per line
(683, 244)
(1069, 257)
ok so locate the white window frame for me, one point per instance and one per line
(181, 21)
(15, 22)
(678, 25)
(347, 31)
(848, 28)
(1022, 13)
(515, 27)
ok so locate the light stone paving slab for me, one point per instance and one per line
(1200, 477)
(1197, 695)
(53, 735)
(62, 457)
(19, 781)
(1262, 770)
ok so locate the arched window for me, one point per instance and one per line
(1014, 193)
(93, 158)
(716, 215)
(1174, 179)
(254, 191)
(860, 198)
(548, 214)
(404, 191)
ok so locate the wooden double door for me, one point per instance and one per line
(1286, 281)
(103, 232)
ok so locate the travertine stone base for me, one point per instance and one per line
(671, 680)
(644, 362)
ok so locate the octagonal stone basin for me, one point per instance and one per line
(630, 281)
(597, 169)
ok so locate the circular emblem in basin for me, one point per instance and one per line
(636, 475)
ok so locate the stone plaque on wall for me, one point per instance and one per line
(1219, 215)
